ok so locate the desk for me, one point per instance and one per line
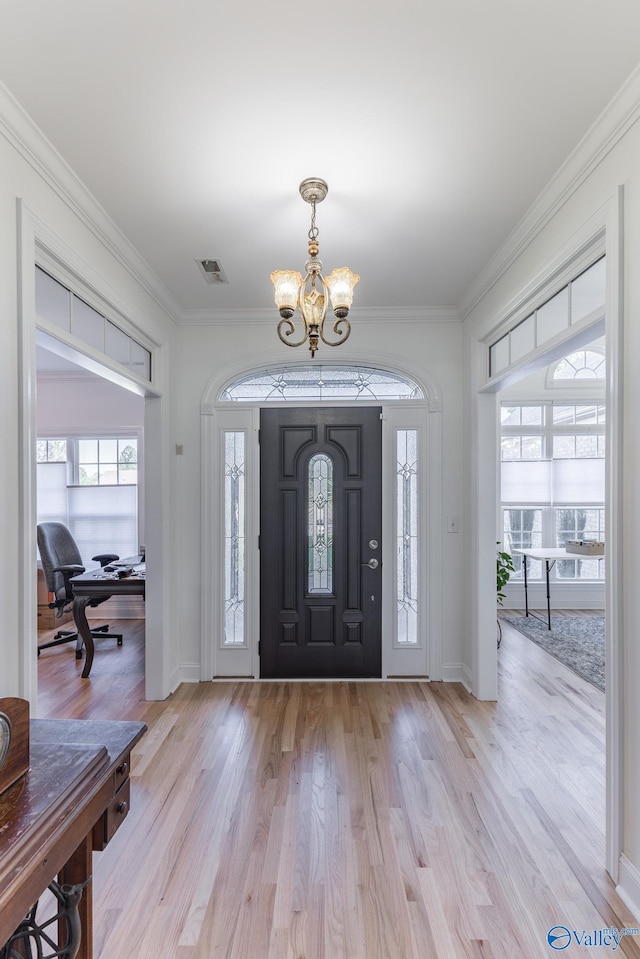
(92, 588)
(70, 802)
(549, 555)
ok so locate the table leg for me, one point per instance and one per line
(80, 604)
(76, 871)
(526, 595)
(546, 563)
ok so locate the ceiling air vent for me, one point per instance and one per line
(212, 271)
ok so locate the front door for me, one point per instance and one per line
(320, 542)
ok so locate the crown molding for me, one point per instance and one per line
(362, 314)
(27, 139)
(615, 121)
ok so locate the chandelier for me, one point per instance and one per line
(311, 294)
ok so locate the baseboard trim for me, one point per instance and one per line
(452, 673)
(189, 673)
(628, 887)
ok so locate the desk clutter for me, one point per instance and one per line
(585, 547)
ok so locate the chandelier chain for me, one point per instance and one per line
(314, 231)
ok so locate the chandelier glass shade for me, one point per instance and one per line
(312, 293)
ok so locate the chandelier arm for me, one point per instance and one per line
(282, 326)
(342, 334)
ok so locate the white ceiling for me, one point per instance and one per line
(435, 122)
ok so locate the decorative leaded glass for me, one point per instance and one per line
(234, 538)
(320, 524)
(317, 382)
(407, 536)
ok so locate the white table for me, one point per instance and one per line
(548, 555)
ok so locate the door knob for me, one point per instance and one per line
(372, 564)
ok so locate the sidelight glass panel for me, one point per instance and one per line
(234, 538)
(320, 539)
(407, 537)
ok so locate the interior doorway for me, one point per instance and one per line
(78, 414)
(553, 492)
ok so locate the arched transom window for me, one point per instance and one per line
(317, 382)
(580, 365)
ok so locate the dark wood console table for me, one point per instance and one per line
(70, 803)
(99, 585)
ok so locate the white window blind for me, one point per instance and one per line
(553, 481)
(51, 480)
(103, 519)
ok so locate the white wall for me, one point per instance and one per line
(82, 402)
(588, 184)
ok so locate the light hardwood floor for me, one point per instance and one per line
(351, 820)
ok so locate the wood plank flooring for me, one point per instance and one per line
(351, 820)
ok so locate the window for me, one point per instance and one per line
(552, 481)
(58, 305)
(90, 485)
(320, 536)
(587, 365)
(579, 299)
(317, 382)
(51, 451)
(108, 462)
(407, 536)
(234, 538)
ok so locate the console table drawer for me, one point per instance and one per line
(113, 817)
(122, 771)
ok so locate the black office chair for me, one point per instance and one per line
(61, 560)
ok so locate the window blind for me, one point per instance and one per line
(572, 481)
(103, 519)
(51, 479)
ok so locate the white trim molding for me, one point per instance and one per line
(21, 132)
(628, 887)
(615, 121)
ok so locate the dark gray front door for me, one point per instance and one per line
(320, 542)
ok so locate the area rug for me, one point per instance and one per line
(577, 641)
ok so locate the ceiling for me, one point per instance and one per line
(435, 122)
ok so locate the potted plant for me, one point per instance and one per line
(504, 566)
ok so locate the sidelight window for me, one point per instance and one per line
(234, 538)
(320, 538)
(407, 536)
